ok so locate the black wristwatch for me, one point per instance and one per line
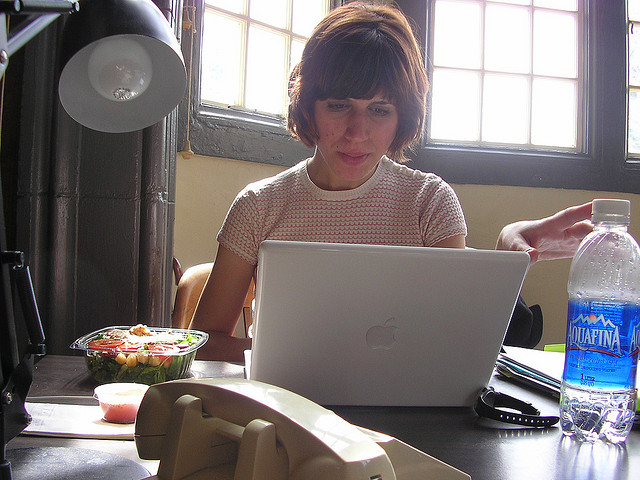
(489, 402)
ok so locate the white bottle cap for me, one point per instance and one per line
(610, 210)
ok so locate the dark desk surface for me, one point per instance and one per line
(482, 448)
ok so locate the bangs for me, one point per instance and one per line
(359, 67)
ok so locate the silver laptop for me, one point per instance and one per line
(346, 324)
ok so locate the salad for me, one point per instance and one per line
(140, 354)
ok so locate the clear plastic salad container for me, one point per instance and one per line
(140, 354)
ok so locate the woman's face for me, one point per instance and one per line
(353, 134)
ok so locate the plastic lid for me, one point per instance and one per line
(610, 210)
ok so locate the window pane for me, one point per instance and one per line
(296, 53)
(272, 12)
(633, 9)
(554, 113)
(554, 44)
(505, 112)
(634, 122)
(517, 2)
(267, 73)
(455, 108)
(634, 55)
(569, 5)
(222, 59)
(507, 39)
(235, 6)
(306, 15)
(458, 34)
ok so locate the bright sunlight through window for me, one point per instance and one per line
(506, 73)
(249, 48)
(633, 133)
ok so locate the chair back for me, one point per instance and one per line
(190, 286)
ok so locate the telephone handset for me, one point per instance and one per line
(231, 428)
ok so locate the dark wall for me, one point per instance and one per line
(93, 212)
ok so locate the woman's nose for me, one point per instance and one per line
(357, 126)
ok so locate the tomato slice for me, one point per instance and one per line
(105, 344)
(162, 349)
(163, 352)
(129, 348)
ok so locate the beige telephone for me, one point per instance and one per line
(228, 428)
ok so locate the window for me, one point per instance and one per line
(249, 48)
(598, 162)
(512, 67)
(633, 134)
(241, 57)
(557, 119)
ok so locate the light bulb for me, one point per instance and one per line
(119, 68)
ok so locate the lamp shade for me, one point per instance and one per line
(122, 66)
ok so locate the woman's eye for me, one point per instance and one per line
(336, 106)
(380, 111)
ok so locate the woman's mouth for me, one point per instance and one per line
(353, 157)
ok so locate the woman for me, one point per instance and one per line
(358, 99)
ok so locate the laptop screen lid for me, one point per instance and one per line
(345, 324)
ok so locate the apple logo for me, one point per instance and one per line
(382, 336)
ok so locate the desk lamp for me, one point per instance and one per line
(123, 71)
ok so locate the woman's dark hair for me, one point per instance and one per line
(359, 51)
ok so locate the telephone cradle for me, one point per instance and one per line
(236, 429)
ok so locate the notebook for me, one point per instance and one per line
(346, 324)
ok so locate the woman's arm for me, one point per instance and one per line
(220, 307)
(457, 241)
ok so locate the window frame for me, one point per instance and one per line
(604, 166)
(226, 132)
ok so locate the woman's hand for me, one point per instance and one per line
(550, 238)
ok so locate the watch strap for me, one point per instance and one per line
(489, 403)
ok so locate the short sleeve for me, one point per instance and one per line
(442, 217)
(238, 231)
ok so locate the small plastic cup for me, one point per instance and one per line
(120, 401)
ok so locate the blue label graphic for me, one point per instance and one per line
(602, 344)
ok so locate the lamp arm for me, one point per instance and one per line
(29, 28)
(40, 6)
(39, 15)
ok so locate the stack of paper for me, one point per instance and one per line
(80, 421)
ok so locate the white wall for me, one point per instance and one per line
(206, 186)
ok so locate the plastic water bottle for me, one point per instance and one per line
(598, 394)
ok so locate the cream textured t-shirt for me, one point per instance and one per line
(396, 206)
